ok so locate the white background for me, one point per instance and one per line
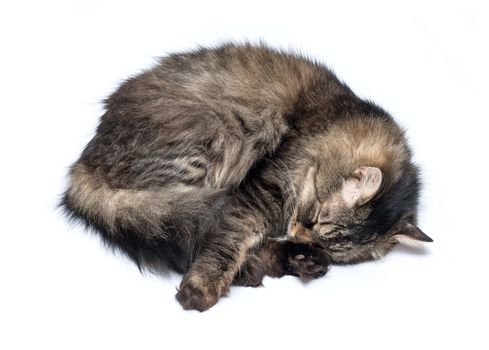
(425, 62)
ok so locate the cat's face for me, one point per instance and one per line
(358, 222)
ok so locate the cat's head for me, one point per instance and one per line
(362, 217)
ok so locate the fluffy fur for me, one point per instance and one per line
(229, 163)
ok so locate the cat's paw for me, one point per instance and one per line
(251, 273)
(196, 296)
(308, 265)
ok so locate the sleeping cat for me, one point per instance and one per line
(230, 163)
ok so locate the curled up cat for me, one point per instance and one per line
(231, 163)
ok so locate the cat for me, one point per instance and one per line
(230, 163)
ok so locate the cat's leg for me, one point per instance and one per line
(242, 229)
(286, 257)
(279, 258)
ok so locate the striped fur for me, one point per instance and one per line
(201, 163)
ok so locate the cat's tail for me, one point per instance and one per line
(153, 226)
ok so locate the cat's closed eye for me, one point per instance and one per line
(325, 218)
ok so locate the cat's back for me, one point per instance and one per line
(252, 77)
(203, 117)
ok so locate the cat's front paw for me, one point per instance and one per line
(197, 296)
(308, 265)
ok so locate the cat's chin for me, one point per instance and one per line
(356, 256)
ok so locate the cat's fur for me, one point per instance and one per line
(204, 162)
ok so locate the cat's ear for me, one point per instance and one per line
(411, 235)
(362, 185)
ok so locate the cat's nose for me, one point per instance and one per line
(301, 233)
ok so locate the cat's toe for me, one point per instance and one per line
(194, 297)
(308, 267)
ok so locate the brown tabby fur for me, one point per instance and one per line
(230, 163)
